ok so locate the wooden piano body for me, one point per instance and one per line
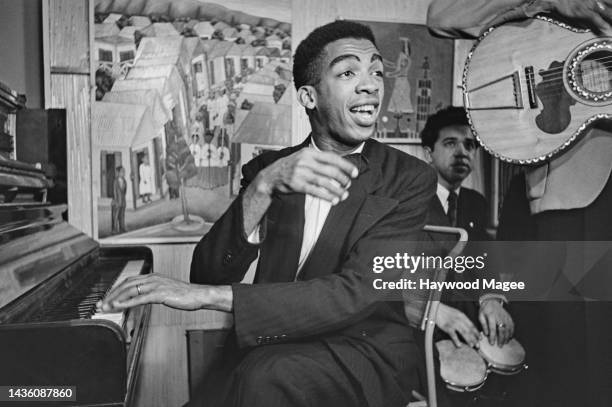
(51, 276)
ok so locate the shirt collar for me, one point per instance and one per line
(357, 150)
(443, 193)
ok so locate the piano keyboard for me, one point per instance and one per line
(81, 301)
(131, 269)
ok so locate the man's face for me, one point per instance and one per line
(453, 154)
(350, 92)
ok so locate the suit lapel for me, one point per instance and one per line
(285, 228)
(279, 256)
(348, 220)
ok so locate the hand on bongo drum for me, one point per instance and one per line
(496, 322)
(454, 323)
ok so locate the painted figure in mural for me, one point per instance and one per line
(146, 184)
(204, 117)
(118, 204)
(196, 149)
(208, 152)
(218, 108)
(401, 99)
(223, 153)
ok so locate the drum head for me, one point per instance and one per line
(508, 359)
(461, 368)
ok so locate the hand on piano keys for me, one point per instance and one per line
(158, 289)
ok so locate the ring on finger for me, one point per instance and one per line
(501, 325)
(138, 289)
(600, 5)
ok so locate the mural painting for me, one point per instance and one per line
(183, 100)
(418, 78)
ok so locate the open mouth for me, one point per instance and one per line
(365, 114)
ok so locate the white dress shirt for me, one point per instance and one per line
(443, 194)
(315, 214)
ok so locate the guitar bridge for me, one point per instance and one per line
(529, 76)
(503, 93)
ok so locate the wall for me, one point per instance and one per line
(21, 66)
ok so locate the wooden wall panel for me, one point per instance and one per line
(69, 40)
(68, 32)
(72, 92)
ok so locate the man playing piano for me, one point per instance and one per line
(311, 330)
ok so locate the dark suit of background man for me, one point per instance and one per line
(311, 331)
(450, 148)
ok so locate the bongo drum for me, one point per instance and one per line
(507, 360)
(462, 369)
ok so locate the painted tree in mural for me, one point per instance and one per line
(179, 167)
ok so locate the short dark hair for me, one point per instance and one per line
(449, 116)
(309, 54)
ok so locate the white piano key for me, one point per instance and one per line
(132, 268)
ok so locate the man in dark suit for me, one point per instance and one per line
(450, 148)
(312, 330)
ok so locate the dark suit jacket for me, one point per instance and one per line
(333, 299)
(471, 214)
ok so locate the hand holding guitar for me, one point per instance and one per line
(595, 14)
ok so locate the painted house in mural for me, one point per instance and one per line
(235, 54)
(129, 32)
(260, 86)
(139, 21)
(266, 126)
(160, 116)
(248, 58)
(167, 81)
(105, 30)
(274, 41)
(159, 30)
(286, 56)
(112, 18)
(122, 135)
(204, 30)
(261, 57)
(220, 71)
(246, 35)
(188, 57)
(198, 70)
(115, 54)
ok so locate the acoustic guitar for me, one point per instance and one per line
(532, 88)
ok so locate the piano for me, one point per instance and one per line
(51, 276)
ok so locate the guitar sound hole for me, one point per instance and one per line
(594, 72)
(589, 73)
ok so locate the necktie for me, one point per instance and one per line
(358, 160)
(452, 208)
